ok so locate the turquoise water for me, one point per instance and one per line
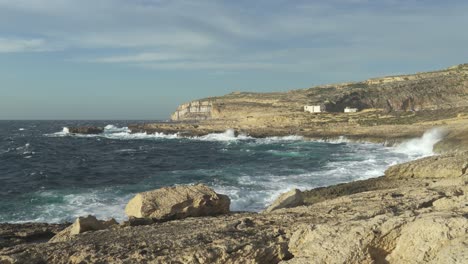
(48, 175)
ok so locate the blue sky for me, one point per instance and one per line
(139, 59)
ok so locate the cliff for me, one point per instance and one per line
(391, 109)
(442, 89)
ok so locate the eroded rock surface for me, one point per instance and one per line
(178, 202)
(444, 166)
(386, 220)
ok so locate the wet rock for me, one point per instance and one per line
(287, 200)
(178, 202)
(86, 130)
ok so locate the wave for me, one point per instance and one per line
(114, 129)
(338, 140)
(252, 186)
(124, 133)
(228, 135)
(424, 145)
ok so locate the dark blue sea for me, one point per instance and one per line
(49, 175)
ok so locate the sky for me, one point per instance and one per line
(139, 59)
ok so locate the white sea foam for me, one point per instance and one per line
(65, 132)
(424, 145)
(124, 133)
(338, 140)
(21, 129)
(102, 203)
(114, 129)
(228, 135)
(254, 192)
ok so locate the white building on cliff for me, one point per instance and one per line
(314, 108)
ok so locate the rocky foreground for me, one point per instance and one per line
(416, 213)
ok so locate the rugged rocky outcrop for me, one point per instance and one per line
(86, 130)
(383, 220)
(178, 202)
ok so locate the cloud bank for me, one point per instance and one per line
(261, 35)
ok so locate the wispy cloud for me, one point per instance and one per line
(228, 35)
(11, 45)
(139, 58)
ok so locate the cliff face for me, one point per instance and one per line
(196, 110)
(422, 91)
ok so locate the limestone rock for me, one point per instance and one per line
(81, 225)
(287, 200)
(443, 166)
(86, 130)
(178, 202)
(387, 220)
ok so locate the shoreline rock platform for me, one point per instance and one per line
(401, 217)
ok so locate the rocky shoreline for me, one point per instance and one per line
(416, 213)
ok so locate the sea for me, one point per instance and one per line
(50, 175)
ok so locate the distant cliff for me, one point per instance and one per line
(196, 110)
(442, 89)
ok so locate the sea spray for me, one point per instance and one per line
(423, 146)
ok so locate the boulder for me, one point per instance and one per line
(443, 166)
(178, 202)
(81, 225)
(289, 199)
(86, 130)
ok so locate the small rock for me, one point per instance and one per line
(81, 225)
(289, 199)
(178, 202)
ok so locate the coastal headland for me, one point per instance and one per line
(389, 110)
(416, 213)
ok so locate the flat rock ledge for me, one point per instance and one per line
(420, 219)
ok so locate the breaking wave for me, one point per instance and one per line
(101, 176)
(124, 133)
(423, 146)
